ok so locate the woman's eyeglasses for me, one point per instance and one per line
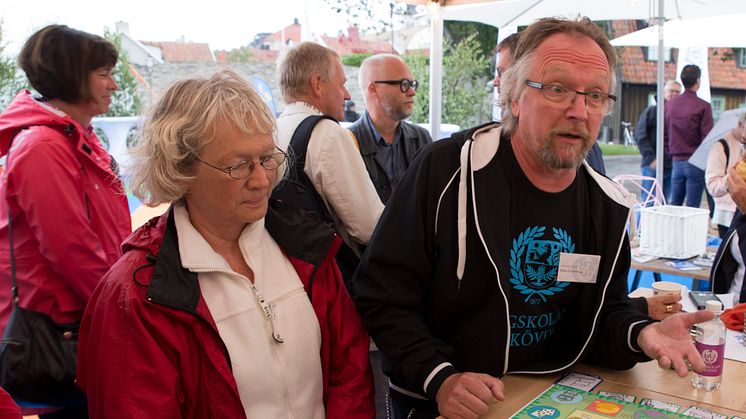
(243, 169)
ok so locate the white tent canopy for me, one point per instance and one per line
(715, 31)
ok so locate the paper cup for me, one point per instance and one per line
(665, 287)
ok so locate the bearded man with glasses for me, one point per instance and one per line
(387, 143)
(502, 252)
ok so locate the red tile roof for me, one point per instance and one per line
(353, 44)
(724, 73)
(183, 51)
(292, 33)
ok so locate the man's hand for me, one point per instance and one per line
(468, 395)
(653, 164)
(737, 189)
(670, 342)
(658, 305)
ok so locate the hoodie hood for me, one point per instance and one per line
(477, 151)
(25, 111)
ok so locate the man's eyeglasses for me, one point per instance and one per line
(595, 102)
(243, 169)
(404, 84)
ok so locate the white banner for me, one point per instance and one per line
(698, 57)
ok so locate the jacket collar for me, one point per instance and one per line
(174, 286)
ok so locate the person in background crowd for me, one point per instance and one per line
(388, 143)
(645, 136)
(351, 114)
(728, 268)
(491, 215)
(312, 81)
(221, 307)
(505, 50)
(688, 121)
(724, 154)
(60, 187)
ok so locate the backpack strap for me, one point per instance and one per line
(727, 153)
(297, 148)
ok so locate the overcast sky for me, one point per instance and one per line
(224, 24)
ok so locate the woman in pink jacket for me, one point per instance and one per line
(225, 306)
(60, 187)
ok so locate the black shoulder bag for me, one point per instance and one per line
(37, 355)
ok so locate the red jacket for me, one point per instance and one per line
(69, 210)
(149, 346)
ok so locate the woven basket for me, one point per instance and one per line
(672, 231)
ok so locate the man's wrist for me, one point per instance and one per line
(637, 334)
(436, 379)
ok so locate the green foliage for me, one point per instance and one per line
(466, 99)
(420, 66)
(11, 81)
(618, 149)
(354, 60)
(375, 15)
(240, 55)
(126, 101)
(484, 35)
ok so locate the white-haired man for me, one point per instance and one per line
(312, 81)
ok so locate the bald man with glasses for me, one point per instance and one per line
(387, 143)
(502, 252)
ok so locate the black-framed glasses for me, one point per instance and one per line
(243, 169)
(404, 84)
(595, 102)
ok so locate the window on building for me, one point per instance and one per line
(652, 54)
(741, 58)
(718, 105)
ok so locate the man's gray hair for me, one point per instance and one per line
(299, 64)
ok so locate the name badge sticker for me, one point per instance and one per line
(577, 267)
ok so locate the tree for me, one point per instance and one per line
(11, 81)
(126, 101)
(485, 37)
(375, 15)
(466, 99)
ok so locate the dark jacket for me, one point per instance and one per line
(149, 346)
(645, 136)
(595, 158)
(413, 138)
(432, 290)
(725, 266)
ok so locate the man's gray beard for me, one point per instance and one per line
(554, 161)
(398, 113)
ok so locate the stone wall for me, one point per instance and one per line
(161, 76)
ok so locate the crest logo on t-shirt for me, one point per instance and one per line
(534, 260)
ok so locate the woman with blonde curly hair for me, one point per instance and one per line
(224, 307)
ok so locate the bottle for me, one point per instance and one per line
(710, 342)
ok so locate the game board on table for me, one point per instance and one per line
(560, 402)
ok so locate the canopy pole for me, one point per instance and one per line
(659, 150)
(436, 70)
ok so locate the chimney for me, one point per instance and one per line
(122, 27)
